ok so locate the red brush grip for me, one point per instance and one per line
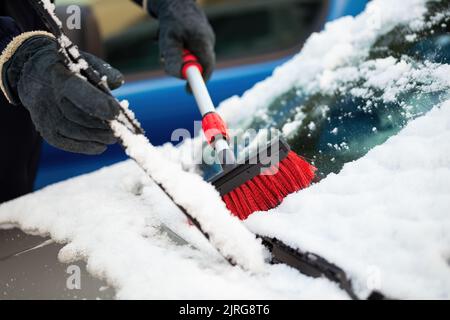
(190, 60)
(213, 126)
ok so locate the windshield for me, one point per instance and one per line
(369, 95)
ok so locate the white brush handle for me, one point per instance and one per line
(206, 107)
(201, 94)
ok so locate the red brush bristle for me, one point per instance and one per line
(267, 191)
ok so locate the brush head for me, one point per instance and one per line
(264, 179)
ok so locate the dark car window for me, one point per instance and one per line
(244, 29)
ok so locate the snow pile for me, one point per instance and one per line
(385, 218)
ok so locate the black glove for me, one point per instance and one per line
(69, 112)
(183, 25)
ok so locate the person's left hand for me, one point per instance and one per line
(183, 25)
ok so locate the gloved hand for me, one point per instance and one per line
(67, 111)
(183, 25)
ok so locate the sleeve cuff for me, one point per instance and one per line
(9, 52)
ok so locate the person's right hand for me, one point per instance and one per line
(68, 112)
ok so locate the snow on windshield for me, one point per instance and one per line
(384, 218)
(356, 84)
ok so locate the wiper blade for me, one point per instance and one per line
(312, 265)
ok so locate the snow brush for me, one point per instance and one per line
(305, 262)
(262, 180)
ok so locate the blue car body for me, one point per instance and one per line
(162, 105)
